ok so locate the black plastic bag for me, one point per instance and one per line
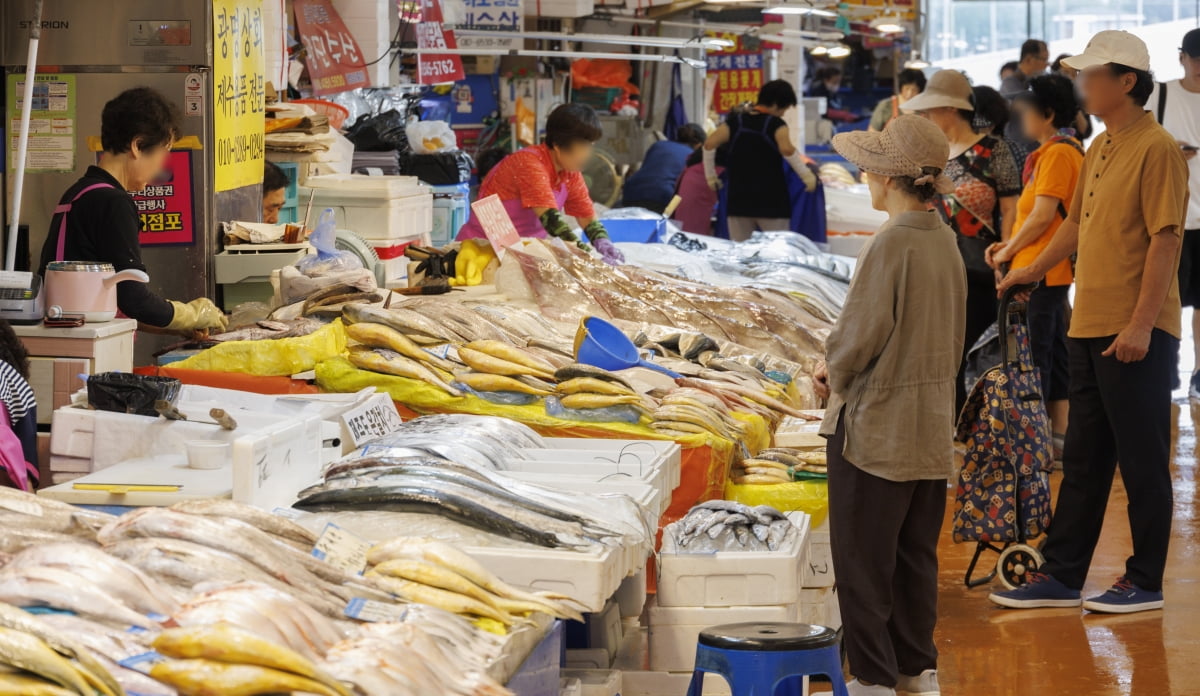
(125, 392)
(438, 169)
(379, 133)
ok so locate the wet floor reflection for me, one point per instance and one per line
(986, 650)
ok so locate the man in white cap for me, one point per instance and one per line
(1125, 222)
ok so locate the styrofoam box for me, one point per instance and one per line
(643, 493)
(819, 606)
(800, 433)
(669, 684)
(818, 571)
(596, 682)
(599, 465)
(589, 577)
(375, 207)
(570, 686)
(631, 595)
(733, 578)
(603, 631)
(620, 450)
(564, 473)
(674, 630)
(849, 210)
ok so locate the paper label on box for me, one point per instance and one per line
(372, 420)
(341, 549)
(25, 507)
(375, 612)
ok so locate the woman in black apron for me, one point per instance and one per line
(759, 145)
(96, 219)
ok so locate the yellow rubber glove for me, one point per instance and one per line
(198, 314)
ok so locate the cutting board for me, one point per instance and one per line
(163, 469)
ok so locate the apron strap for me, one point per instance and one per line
(65, 208)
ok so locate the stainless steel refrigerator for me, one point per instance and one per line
(106, 47)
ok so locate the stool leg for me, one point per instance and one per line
(696, 687)
(833, 670)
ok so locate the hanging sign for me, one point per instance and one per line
(486, 15)
(165, 206)
(334, 60)
(738, 72)
(437, 68)
(239, 83)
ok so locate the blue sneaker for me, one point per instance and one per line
(1124, 597)
(1041, 591)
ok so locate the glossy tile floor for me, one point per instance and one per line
(995, 652)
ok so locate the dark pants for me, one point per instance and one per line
(1048, 339)
(884, 537)
(1120, 412)
(982, 307)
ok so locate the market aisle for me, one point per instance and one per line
(986, 650)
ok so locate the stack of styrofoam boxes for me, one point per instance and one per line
(590, 682)
(696, 591)
(390, 212)
(818, 596)
(593, 644)
(371, 24)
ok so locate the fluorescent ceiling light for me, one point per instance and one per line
(803, 10)
(820, 51)
(839, 51)
(917, 64)
(700, 42)
(888, 24)
(715, 42)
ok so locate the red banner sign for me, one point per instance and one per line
(739, 74)
(165, 206)
(437, 68)
(334, 60)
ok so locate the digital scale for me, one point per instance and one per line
(21, 298)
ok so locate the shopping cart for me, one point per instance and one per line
(1003, 495)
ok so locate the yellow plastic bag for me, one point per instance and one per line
(807, 496)
(273, 358)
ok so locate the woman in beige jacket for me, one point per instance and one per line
(891, 364)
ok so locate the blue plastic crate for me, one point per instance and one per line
(289, 213)
(451, 210)
(644, 231)
(292, 169)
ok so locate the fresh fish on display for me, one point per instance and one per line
(59, 589)
(484, 382)
(209, 677)
(471, 326)
(485, 362)
(591, 385)
(415, 325)
(381, 336)
(269, 329)
(117, 578)
(510, 353)
(723, 525)
(278, 527)
(17, 539)
(21, 510)
(27, 652)
(62, 642)
(580, 370)
(228, 644)
(390, 362)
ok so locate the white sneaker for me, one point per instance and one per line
(924, 684)
(859, 689)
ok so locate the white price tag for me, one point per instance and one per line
(371, 421)
(375, 612)
(341, 549)
(25, 507)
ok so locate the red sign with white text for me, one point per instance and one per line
(437, 68)
(165, 206)
(334, 60)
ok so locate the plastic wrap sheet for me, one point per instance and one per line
(279, 357)
(811, 497)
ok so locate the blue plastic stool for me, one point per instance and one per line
(757, 658)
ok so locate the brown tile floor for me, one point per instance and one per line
(995, 652)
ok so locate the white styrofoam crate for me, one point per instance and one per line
(570, 686)
(819, 606)
(627, 452)
(646, 683)
(674, 630)
(597, 682)
(818, 570)
(588, 659)
(631, 595)
(849, 210)
(588, 577)
(644, 493)
(733, 578)
(800, 433)
(597, 465)
(379, 218)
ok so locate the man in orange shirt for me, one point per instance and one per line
(539, 184)
(1125, 221)
(1047, 113)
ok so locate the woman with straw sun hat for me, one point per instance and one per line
(889, 376)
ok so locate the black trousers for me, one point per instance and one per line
(1048, 339)
(884, 537)
(982, 308)
(1120, 412)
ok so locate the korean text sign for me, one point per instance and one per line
(739, 75)
(166, 206)
(239, 81)
(437, 68)
(335, 62)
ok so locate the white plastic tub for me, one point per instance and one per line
(674, 630)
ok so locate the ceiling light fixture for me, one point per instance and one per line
(819, 51)
(839, 51)
(888, 24)
(802, 10)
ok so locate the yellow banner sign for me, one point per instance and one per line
(239, 83)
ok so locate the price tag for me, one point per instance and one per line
(375, 612)
(341, 549)
(25, 507)
(497, 225)
(372, 420)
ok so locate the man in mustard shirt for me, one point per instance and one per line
(1126, 222)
